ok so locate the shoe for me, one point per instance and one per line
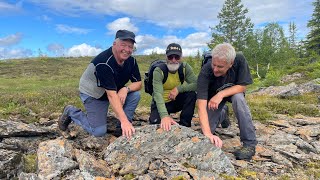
(118, 132)
(225, 115)
(225, 123)
(64, 119)
(245, 153)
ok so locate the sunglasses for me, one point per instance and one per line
(177, 57)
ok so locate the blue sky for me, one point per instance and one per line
(85, 28)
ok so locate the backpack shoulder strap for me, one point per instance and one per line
(181, 72)
(165, 71)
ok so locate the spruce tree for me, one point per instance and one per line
(234, 27)
(292, 35)
(313, 38)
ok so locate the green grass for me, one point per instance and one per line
(30, 163)
(264, 107)
(38, 87)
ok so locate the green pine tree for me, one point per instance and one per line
(313, 38)
(292, 35)
(234, 27)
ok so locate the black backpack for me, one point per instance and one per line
(207, 56)
(148, 76)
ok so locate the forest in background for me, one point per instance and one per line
(267, 49)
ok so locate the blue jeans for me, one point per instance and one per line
(94, 121)
(243, 115)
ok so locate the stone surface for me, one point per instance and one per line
(180, 150)
(286, 146)
(54, 158)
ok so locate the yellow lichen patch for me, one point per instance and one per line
(248, 174)
(160, 130)
(102, 178)
(179, 178)
(177, 131)
(129, 176)
(137, 144)
(112, 178)
(227, 177)
(61, 143)
(188, 165)
(192, 170)
(195, 139)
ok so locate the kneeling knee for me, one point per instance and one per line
(99, 131)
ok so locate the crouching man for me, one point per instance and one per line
(173, 94)
(225, 80)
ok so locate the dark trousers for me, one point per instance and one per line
(243, 115)
(185, 102)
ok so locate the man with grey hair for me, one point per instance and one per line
(104, 83)
(225, 79)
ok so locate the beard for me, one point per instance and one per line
(173, 67)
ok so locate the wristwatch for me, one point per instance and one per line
(128, 89)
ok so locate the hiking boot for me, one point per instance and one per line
(64, 119)
(245, 153)
(118, 132)
(225, 116)
(225, 123)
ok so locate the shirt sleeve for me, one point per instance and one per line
(203, 82)
(158, 92)
(190, 80)
(105, 78)
(243, 75)
(135, 76)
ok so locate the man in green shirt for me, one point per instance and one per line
(173, 96)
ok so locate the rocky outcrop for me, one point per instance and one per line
(292, 89)
(283, 145)
(155, 153)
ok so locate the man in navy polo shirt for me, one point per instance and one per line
(103, 83)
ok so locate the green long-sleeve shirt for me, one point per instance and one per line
(189, 84)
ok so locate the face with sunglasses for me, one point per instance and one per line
(173, 62)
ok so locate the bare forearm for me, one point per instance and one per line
(232, 91)
(203, 116)
(135, 86)
(116, 105)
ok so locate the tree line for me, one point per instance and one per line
(268, 46)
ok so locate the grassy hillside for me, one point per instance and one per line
(36, 88)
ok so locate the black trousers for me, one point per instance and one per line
(185, 102)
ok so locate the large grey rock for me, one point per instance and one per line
(55, 159)
(291, 89)
(91, 165)
(178, 152)
(9, 163)
(19, 129)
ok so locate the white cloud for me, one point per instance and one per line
(190, 45)
(83, 50)
(185, 14)
(176, 14)
(172, 19)
(12, 39)
(6, 8)
(61, 28)
(17, 53)
(155, 50)
(121, 23)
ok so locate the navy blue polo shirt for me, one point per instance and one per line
(106, 74)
